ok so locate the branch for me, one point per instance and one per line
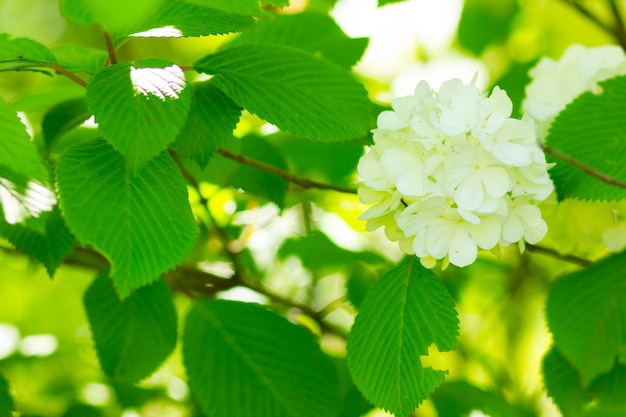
(616, 31)
(68, 74)
(582, 262)
(302, 182)
(619, 30)
(110, 48)
(587, 169)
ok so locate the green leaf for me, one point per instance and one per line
(295, 30)
(609, 389)
(79, 58)
(141, 221)
(23, 50)
(62, 118)
(6, 401)
(514, 82)
(129, 395)
(586, 313)
(333, 163)
(277, 3)
(459, 398)
(244, 7)
(132, 337)
(183, 19)
(210, 123)
(563, 384)
(297, 92)
(591, 130)
(82, 410)
(255, 180)
(483, 23)
(318, 253)
(18, 154)
(406, 312)
(246, 361)
(140, 107)
(118, 16)
(382, 3)
(50, 247)
(354, 405)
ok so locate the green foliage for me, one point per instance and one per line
(295, 31)
(257, 181)
(585, 313)
(132, 337)
(210, 123)
(23, 50)
(62, 118)
(140, 220)
(563, 383)
(394, 328)
(6, 401)
(18, 155)
(114, 15)
(279, 367)
(189, 20)
(244, 7)
(483, 23)
(460, 398)
(140, 107)
(50, 247)
(274, 82)
(79, 58)
(591, 130)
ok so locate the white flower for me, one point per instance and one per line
(451, 173)
(441, 231)
(555, 84)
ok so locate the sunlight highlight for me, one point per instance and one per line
(164, 32)
(163, 83)
(17, 206)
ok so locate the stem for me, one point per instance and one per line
(110, 48)
(302, 182)
(69, 75)
(619, 29)
(582, 262)
(587, 169)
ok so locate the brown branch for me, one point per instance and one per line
(554, 254)
(619, 30)
(302, 182)
(110, 48)
(585, 168)
(68, 74)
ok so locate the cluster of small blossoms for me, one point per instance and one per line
(450, 172)
(554, 84)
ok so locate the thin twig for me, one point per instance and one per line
(619, 30)
(302, 182)
(68, 74)
(587, 169)
(554, 254)
(110, 48)
(587, 13)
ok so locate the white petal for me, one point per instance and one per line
(463, 250)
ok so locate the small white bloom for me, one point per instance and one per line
(554, 84)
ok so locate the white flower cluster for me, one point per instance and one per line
(451, 172)
(554, 84)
